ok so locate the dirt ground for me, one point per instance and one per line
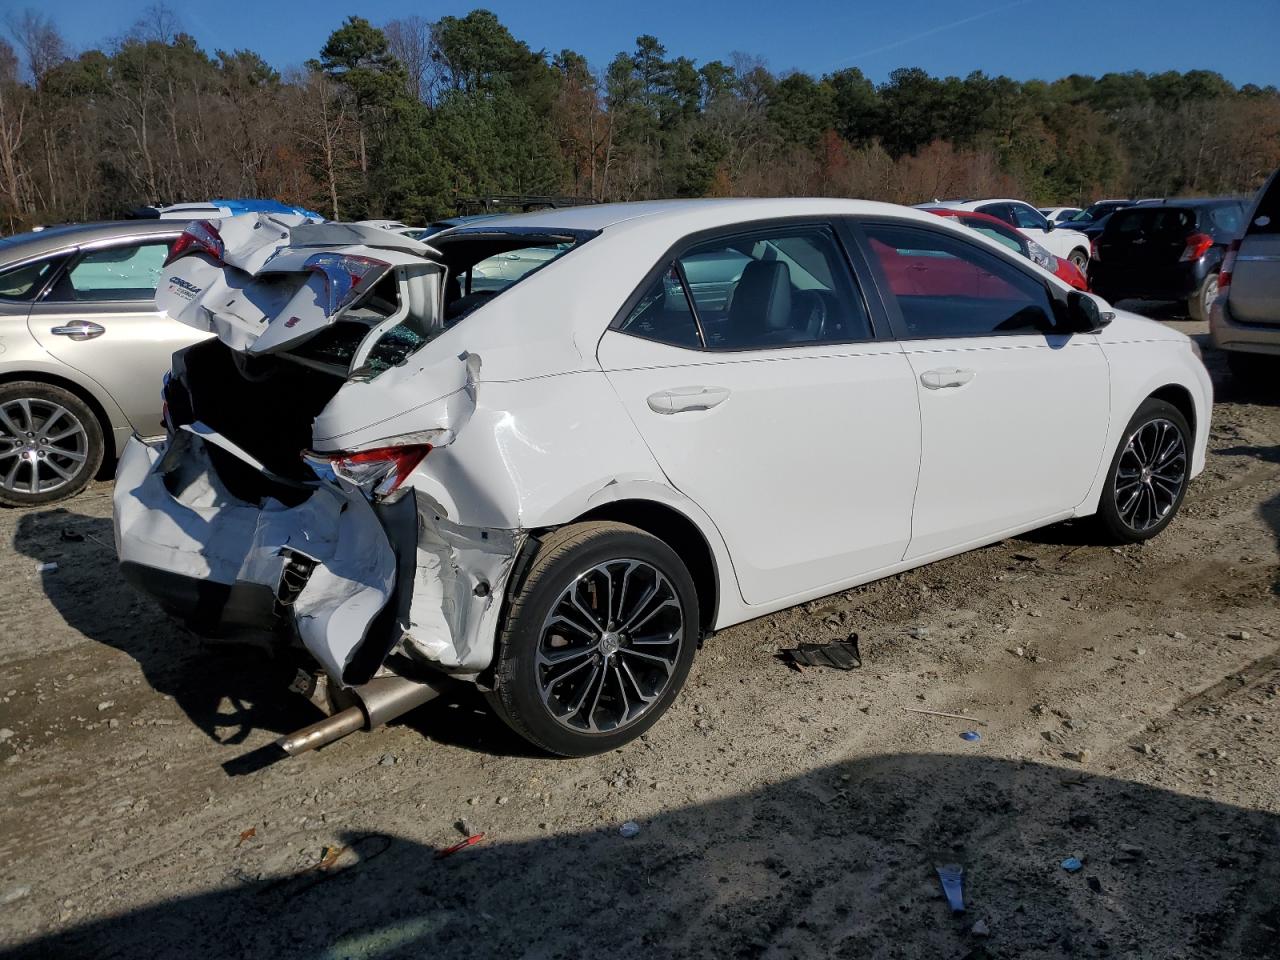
(1129, 702)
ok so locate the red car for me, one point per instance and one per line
(1001, 232)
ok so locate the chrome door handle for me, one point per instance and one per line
(79, 330)
(681, 399)
(945, 377)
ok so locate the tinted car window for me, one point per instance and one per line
(664, 313)
(25, 281)
(1266, 219)
(1001, 211)
(1226, 221)
(1029, 219)
(115, 273)
(1159, 221)
(944, 287)
(773, 289)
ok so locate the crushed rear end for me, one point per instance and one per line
(278, 505)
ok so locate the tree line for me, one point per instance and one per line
(408, 119)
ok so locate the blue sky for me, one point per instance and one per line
(1020, 38)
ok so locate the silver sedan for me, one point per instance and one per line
(83, 351)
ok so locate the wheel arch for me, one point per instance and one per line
(105, 423)
(1179, 397)
(669, 525)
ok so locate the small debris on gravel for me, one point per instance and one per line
(980, 929)
(629, 829)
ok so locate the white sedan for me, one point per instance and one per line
(690, 414)
(1060, 240)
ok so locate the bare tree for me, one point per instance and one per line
(409, 39)
(39, 40)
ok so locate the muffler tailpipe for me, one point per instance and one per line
(380, 700)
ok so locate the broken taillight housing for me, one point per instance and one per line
(378, 472)
(1228, 265)
(199, 237)
(346, 277)
(1197, 245)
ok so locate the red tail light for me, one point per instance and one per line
(1197, 245)
(200, 237)
(1093, 250)
(378, 472)
(346, 277)
(1228, 265)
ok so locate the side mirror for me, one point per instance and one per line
(1051, 226)
(1083, 313)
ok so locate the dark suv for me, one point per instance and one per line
(1166, 251)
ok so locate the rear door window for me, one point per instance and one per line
(25, 281)
(774, 288)
(944, 287)
(119, 273)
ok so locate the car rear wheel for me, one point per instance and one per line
(1198, 305)
(598, 640)
(1080, 258)
(1148, 475)
(51, 444)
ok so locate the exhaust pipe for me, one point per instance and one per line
(380, 700)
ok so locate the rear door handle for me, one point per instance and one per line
(682, 399)
(945, 377)
(79, 330)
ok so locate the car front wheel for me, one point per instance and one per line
(50, 444)
(598, 639)
(1148, 475)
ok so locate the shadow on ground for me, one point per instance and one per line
(838, 863)
(228, 690)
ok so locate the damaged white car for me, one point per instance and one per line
(684, 415)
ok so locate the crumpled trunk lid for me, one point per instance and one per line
(282, 280)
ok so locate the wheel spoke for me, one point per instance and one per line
(54, 417)
(647, 656)
(591, 633)
(25, 406)
(63, 473)
(9, 425)
(71, 431)
(10, 478)
(591, 617)
(635, 684)
(70, 455)
(655, 611)
(561, 657)
(628, 625)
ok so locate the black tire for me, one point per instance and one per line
(1252, 369)
(1081, 259)
(567, 558)
(1115, 524)
(58, 468)
(1199, 303)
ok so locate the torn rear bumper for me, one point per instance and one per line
(352, 581)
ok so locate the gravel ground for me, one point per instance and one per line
(1129, 708)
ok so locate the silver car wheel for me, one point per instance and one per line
(43, 446)
(609, 646)
(1150, 475)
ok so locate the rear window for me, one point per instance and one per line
(1150, 221)
(483, 262)
(1266, 219)
(1227, 221)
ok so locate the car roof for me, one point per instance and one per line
(687, 216)
(74, 234)
(974, 204)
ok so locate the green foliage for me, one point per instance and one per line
(157, 119)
